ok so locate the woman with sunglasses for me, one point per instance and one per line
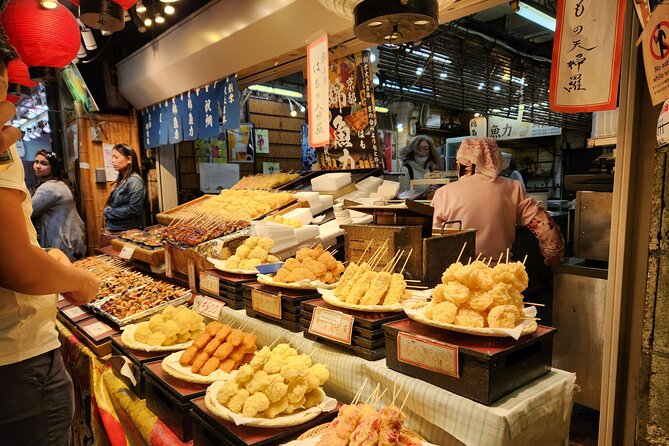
(54, 214)
(125, 206)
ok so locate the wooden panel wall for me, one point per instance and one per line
(114, 130)
(285, 133)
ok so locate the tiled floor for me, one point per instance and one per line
(584, 426)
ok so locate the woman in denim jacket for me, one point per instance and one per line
(125, 206)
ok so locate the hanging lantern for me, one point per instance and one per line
(125, 4)
(18, 74)
(13, 98)
(104, 15)
(43, 38)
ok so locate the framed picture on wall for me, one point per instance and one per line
(262, 140)
(241, 144)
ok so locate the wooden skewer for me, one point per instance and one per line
(461, 251)
(529, 318)
(535, 304)
(407, 260)
(370, 397)
(500, 257)
(378, 398)
(416, 287)
(525, 259)
(507, 255)
(411, 280)
(478, 256)
(365, 251)
(392, 269)
(390, 265)
(359, 392)
(396, 394)
(277, 338)
(489, 260)
(405, 399)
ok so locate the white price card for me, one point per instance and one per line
(192, 283)
(97, 329)
(209, 283)
(269, 304)
(332, 324)
(127, 252)
(428, 354)
(168, 260)
(61, 298)
(74, 312)
(209, 307)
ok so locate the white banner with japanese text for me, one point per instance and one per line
(317, 92)
(586, 55)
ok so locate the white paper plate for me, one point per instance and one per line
(294, 419)
(301, 285)
(329, 297)
(313, 441)
(172, 367)
(522, 329)
(221, 266)
(128, 338)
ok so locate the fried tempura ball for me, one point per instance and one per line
(156, 322)
(156, 339)
(300, 274)
(257, 402)
(339, 268)
(316, 252)
(480, 300)
(296, 390)
(267, 244)
(449, 274)
(503, 316)
(272, 259)
(456, 293)
(232, 262)
(258, 253)
(181, 338)
(475, 276)
(252, 242)
(274, 364)
(302, 254)
(170, 328)
(511, 273)
(249, 264)
(276, 409)
(313, 398)
(314, 266)
(236, 403)
(261, 357)
(243, 252)
(142, 332)
(444, 312)
(291, 264)
(244, 373)
(229, 389)
(321, 372)
(276, 389)
(282, 275)
(469, 318)
(328, 260)
(293, 407)
(258, 382)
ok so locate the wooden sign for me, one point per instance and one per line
(428, 354)
(318, 64)
(209, 283)
(126, 252)
(168, 260)
(332, 324)
(266, 303)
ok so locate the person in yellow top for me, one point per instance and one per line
(36, 406)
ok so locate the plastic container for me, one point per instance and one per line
(269, 268)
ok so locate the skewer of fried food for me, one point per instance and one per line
(365, 251)
(461, 251)
(358, 393)
(407, 260)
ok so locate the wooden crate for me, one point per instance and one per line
(368, 337)
(154, 257)
(230, 287)
(209, 430)
(488, 368)
(95, 333)
(169, 399)
(430, 256)
(290, 302)
(183, 211)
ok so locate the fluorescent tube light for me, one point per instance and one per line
(278, 91)
(381, 109)
(534, 15)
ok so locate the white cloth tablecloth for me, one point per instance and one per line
(537, 414)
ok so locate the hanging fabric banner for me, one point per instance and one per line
(176, 107)
(188, 120)
(655, 47)
(154, 131)
(587, 53)
(147, 124)
(206, 111)
(164, 120)
(228, 99)
(352, 126)
(317, 91)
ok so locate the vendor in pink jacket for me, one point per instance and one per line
(493, 205)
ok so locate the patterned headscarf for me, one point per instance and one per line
(485, 153)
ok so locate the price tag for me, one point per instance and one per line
(96, 329)
(209, 283)
(126, 252)
(61, 298)
(168, 260)
(266, 303)
(74, 312)
(428, 354)
(210, 307)
(332, 324)
(192, 283)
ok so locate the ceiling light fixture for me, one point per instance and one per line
(89, 39)
(381, 21)
(293, 112)
(169, 1)
(381, 109)
(148, 22)
(277, 91)
(169, 9)
(140, 8)
(535, 15)
(49, 4)
(159, 19)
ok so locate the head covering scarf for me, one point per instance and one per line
(483, 152)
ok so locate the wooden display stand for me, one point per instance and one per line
(209, 430)
(138, 358)
(279, 306)
(169, 399)
(358, 331)
(95, 333)
(152, 257)
(483, 369)
(229, 286)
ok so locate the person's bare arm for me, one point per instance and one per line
(28, 269)
(8, 135)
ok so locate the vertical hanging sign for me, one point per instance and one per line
(206, 105)
(317, 91)
(188, 122)
(228, 99)
(655, 45)
(587, 55)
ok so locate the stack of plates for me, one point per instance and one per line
(283, 235)
(331, 182)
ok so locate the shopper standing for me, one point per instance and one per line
(419, 157)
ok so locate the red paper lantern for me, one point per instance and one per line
(13, 99)
(125, 4)
(18, 74)
(42, 37)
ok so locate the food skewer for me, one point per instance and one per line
(534, 304)
(461, 251)
(407, 260)
(365, 251)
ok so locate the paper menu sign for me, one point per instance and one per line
(74, 312)
(209, 283)
(428, 354)
(266, 303)
(210, 308)
(96, 329)
(191, 276)
(126, 252)
(332, 324)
